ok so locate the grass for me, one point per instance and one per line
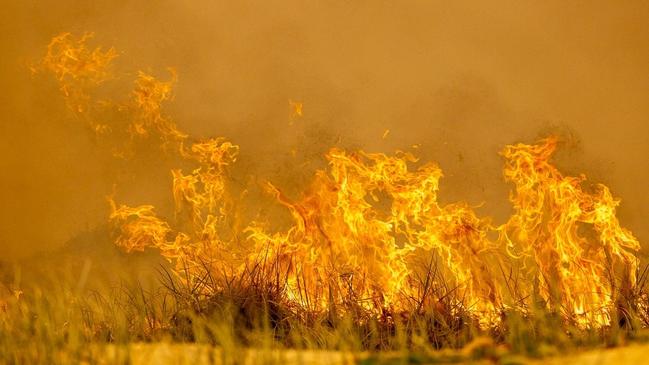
(59, 317)
(223, 319)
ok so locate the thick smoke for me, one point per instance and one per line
(461, 81)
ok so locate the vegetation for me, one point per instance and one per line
(61, 321)
(366, 265)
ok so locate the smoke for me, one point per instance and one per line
(460, 80)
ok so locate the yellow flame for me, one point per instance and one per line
(80, 70)
(149, 95)
(296, 108)
(77, 69)
(358, 233)
(572, 236)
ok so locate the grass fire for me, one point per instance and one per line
(350, 254)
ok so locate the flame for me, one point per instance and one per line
(358, 233)
(362, 222)
(201, 208)
(572, 237)
(296, 108)
(148, 96)
(343, 239)
(78, 70)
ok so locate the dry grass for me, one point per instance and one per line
(60, 321)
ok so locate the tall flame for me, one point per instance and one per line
(572, 236)
(358, 233)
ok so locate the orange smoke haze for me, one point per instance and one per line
(461, 81)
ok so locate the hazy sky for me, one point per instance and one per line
(460, 78)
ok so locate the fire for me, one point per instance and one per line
(360, 225)
(296, 108)
(571, 238)
(201, 209)
(148, 96)
(359, 232)
(79, 71)
(76, 68)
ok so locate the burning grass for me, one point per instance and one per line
(58, 321)
(365, 259)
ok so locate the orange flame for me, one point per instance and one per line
(359, 230)
(573, 237)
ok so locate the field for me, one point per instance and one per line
(210, 249)
(131, 325)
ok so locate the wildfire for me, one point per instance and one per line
(572, 238)
(76, 68)
(360, 230)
